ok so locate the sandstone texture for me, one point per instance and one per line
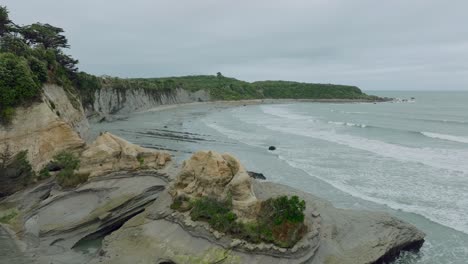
(46, 128)
(110, 153)
(211, 174)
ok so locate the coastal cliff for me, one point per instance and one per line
(46, 127)
(111, 102)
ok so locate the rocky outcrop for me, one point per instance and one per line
(132, 209)
(110, 102)
(110, 153)
(211, 174)
(159, 235)
(54, 222)
(47, 127)
(351, 236)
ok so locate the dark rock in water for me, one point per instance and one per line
(165, 126)
(256, 175)
(393, 253)
(272, 148)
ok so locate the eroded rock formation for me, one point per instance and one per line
(110, 153)
(208, 173)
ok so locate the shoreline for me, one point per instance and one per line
(233, 103)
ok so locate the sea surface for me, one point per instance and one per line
(409, 159)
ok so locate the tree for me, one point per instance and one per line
(67, 62)
(219, 75)
(4, 20)
(45, 34)
(17, 84)
(14, 44)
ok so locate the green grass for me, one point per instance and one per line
(8, 216)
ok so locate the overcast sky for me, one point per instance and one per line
(374, 44)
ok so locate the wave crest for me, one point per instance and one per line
(446, 137)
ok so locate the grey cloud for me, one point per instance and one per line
(395, 44)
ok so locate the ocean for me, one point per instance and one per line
(409, 159)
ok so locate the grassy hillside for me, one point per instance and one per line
(225, 88)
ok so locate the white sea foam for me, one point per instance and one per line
(347, 124)
(446, 137)
(450, 159)
(429, 199)
(432, 182)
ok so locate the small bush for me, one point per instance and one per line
(15, 171)
(217, 213)
(7, 114)
(68, 179)
(181, 204)
(23, 167)
(280, 220)
(141, 160)
(285, 218)
(283, 209)
(69, 163)
(44, 174)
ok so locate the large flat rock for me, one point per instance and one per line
(345, 236)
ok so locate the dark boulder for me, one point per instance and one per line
(54, 167)
(272, 148)
(256, 175)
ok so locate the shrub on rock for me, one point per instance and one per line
(69, 163)
(280, 220)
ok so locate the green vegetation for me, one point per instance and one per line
(7, 216)
(141, 160)
(68, 163)
(17, 84)
(225, 88)
(44, 174)
(217, 213)
(30, 56)
(15, 171)
(280, 220)
(296, 90)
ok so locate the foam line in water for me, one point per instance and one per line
(449, 216)
(450, 159)
(347, 124)
(446, 137)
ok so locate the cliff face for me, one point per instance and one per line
(46, 127)
(113, 101)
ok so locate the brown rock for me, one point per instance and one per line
(110, 153)
(208, 173)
